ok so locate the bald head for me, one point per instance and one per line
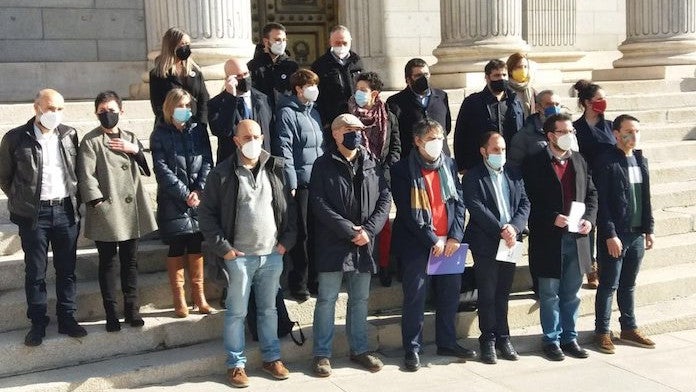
(247, 127)
(235, 67)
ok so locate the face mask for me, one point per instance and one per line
(635, 138)
(421, 85)
(599, 106)
(362, 98)
(278, 48)
(252, 149)
(520, 75)
(181, 115)
(311, 93)
(498, 86)
(340, 51)
(352, 140)
(108, 119)
(551, 110)
(434, 148)
(50, 119)
(183, 52)
(244, 85)
(496, 161)
(566, 141)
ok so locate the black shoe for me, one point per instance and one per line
(300, 295)
(574, 350)
(507, 351)
(385, 277)
(35, 335)
(553, 353)
(132, 316)
(71, 328)
(412, 361)
(456, 351)
(488, 353)
(113, 325)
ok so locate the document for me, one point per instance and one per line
(509, 255)
(577, 210)
(442, 265)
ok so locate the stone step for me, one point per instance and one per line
(669, 151)
(655, 132)
(667, 172)
(674, 194)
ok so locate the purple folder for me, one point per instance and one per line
(442, 265)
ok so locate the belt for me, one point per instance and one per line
(53, 202)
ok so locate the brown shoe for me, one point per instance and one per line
(237, 377)
(604, 343)
(276, 369)
(637, 338)
(321, 366)
(369, 361)
(593, 277)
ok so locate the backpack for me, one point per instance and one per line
(285, 325)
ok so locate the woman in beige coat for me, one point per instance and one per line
(118, 208)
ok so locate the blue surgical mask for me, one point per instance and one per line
(496, 161)
(352, 140)
(551, 110)
(362, 98)
(181, 115)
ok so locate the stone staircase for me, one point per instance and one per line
(168, 349)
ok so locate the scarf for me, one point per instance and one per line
(420, 203)
(375, 120)
(525, 94)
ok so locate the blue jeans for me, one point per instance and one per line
(264, 273)
(559, 298)
(619, 273)
(358, 288)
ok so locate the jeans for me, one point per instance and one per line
(618, 274)
(302, 275)
(264, 273)
(55, 225)
(559, 298)
(494, 282)
(358, 288)
(127, 255)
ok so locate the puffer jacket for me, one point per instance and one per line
(181, 161)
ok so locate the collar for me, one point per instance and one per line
(245, 95)
(561, 158)
(40, 135)
(263, 158)
(341, 61)
(493, 171)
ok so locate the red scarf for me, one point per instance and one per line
(376, 123)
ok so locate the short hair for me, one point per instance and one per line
(424, 126)
(616, 125)
(372, 79)
(541, 95)
(513, 60)
(266, 31)
(586, 91)
(413, 63)
(493, 65)
(302, 77)
(339, 28)
(550, 123)
(106, 96)
(483, 140)
(174, 96)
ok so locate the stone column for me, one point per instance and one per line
(474, 32)
(219, 29)
(659, 33)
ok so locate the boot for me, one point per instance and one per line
(195, 262)
(175, 269)
(131, 313)
(112, 323)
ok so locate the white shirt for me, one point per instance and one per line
(502, 193)
(53, 184)
(247, 100)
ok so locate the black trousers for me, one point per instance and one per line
(127, 255)
(302, 274)
(494, 282)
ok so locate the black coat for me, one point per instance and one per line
(267, 76)
(409, 112)
(475, 118)
(594, 141)
(332, 194)
(181, 161)
(336, 84)
(223, 117)
(194, 83)
(546, 195)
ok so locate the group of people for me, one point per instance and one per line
(308, 162)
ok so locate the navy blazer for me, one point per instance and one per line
(483, 229)
(408, 238)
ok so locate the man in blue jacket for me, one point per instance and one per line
(498, 209)
(625, 230)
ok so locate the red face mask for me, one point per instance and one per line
(599, 106)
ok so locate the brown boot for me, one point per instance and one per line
(175, 269)
(593, 277)
(195, 262)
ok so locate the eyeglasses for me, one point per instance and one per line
(566, 131)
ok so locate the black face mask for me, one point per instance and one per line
(498, 86)
(420, 86)
(244, 85)
(352, 140)
(108, 120)
(183, 52)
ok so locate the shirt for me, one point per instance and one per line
(635, 202)
(247, 103)
(502, 194)
(53, 184)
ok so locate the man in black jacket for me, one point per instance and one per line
(625, 230)
(417, 102)
(271, 67)
(37, 173)
(239, 101)
(337, 70)
(351, 203)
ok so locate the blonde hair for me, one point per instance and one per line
(174, 96)
(164, 63)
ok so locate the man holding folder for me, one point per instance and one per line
(557, 183)
(498, 210)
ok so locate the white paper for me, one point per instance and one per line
(577, 210)
(509, 255)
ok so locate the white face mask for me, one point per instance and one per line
(252, 149)
(278, 47)
(434, 148)
(567, 142)
(50, 119)
(311, 93)
(340, 51)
